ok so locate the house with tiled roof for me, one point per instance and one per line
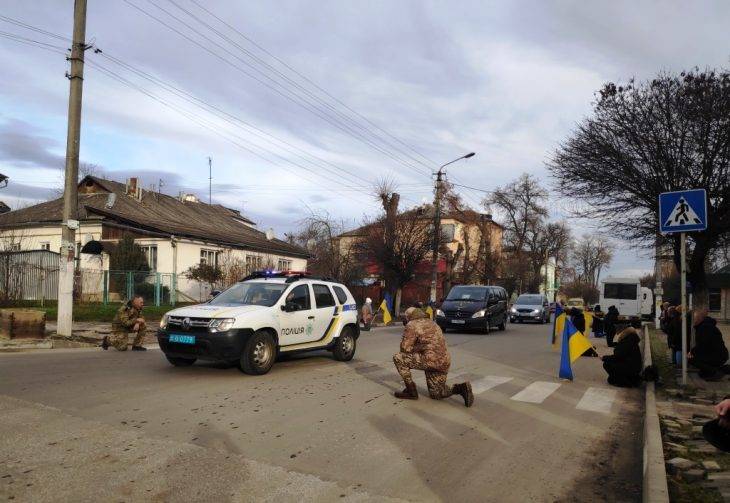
(174, 232)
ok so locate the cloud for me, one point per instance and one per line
(23, 145)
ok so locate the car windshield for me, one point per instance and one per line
(254, 293)
(468, 293)
(529, 300)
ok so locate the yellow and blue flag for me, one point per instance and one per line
(429, 312)
(387, 318)
(574, 344)
(558, 324)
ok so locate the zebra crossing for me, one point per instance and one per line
(594, 399)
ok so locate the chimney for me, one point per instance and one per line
(270, 234)
(133, 189)
(132, 186)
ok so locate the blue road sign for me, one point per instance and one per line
(683, 211)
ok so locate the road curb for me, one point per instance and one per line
(655, 489)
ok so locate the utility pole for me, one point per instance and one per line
(436, 234)
(547, 261)
(657, 283)
(210, 180)
(437, 224)
(70, 192)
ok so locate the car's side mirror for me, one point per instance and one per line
(491, 301)
(290, 307)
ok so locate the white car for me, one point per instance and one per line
(264, 315)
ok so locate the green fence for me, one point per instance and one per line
(156, 288)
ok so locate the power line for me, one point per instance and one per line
(291, 96)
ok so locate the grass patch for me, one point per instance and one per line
(97, 311)
(660, 358)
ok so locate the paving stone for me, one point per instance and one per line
(706, 417)
(720, 476)
(711, 466)
(676, 448)
(672, 424)
(694, 475)
(677, 437)
(684, 422)
(707, 449)
(675, 465)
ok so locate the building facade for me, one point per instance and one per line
(175, 233)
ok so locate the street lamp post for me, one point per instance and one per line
(437, 224)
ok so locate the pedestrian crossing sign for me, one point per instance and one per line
(683, 211)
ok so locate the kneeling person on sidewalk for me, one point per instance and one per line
(423, 347)
(128, 319)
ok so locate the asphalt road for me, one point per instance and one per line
(93, 425)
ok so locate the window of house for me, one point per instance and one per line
(253, 263)
(150, 251)
(209, 257)
(45, 245)
(447, 232)
(714, 301)
(283, 265)
(323, 296)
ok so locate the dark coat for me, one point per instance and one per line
(579, 321)
(709, 345)
(674, 331)
(609, 321)
(625, 365)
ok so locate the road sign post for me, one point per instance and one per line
(681, 212)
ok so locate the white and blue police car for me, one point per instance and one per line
(263, 315)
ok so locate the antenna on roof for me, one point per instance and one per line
(210, 180)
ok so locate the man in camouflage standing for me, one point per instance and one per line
(128, 319)
(423, 347)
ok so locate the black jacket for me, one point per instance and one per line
(674, 331)
(709, 345)
(626, 358)
(579, 321)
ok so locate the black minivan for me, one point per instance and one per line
(475, 307)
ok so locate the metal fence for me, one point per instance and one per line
(28, 275)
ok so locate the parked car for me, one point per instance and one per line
(476, 307)
(530, 307)
(260, 317)
(575, 302)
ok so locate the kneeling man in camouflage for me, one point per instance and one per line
(128, 319)
(423, 347)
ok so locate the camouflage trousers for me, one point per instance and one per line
(119, 339)
(435, 380)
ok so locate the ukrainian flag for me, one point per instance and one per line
(558, 324)
(387, 318)
(589, 324)
(574, 345)
(429, 312)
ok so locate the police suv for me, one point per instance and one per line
(263, 315)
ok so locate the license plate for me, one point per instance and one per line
(458, 322)
(182, 339)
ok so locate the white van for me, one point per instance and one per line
(629, 297)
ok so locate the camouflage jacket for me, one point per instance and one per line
(125, 319)
(423, 336)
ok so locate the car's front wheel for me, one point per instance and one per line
(258, 354)
(180, 362)
(345, 346)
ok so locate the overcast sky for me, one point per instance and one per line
(306, 104)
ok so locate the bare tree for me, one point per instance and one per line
(397, 241)
(590, 255)
(551, 240)
(645, 138)
(329, 255)
(522, 205)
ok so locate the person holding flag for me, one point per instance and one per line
(574, 344)
(387, 317)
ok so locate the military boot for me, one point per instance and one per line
(409, 393)
(464, 389)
